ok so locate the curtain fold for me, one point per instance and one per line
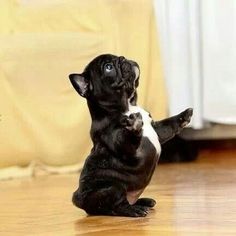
(198, 46)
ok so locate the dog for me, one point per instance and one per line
(126, 140)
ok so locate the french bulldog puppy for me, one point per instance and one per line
(126, 141)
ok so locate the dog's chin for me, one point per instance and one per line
(130, 93)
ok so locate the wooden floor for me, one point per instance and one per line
(197, 198)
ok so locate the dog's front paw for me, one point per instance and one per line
(134, 122)
(185, 117)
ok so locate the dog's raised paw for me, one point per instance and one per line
(185, 117)
(134, 122)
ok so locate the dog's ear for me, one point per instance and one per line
(80, 84)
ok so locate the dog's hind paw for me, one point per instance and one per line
(147, 202)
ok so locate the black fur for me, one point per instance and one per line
(122, 160)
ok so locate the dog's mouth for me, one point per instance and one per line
(118, 85)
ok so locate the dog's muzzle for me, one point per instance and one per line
(129, 76)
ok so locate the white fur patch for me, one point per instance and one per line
(136, 71)
(133, 196)
(148, 130)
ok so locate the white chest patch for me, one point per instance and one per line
(148, 130)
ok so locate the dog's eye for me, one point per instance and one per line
(108, 67)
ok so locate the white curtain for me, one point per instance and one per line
(198, 42)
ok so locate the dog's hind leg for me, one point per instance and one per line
(109, 200)
(166, 129)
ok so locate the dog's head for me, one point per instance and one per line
(107, 79)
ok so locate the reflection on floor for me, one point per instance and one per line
(197, 198)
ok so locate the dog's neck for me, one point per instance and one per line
(103, 109)
(100, 110)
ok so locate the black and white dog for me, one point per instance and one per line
(126, 141)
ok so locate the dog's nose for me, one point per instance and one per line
(121, 58)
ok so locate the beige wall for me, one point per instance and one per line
(42, 118)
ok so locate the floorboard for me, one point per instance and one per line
(197, 198)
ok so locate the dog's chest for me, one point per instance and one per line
(148, 130)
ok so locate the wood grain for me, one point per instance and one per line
(196, 198)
